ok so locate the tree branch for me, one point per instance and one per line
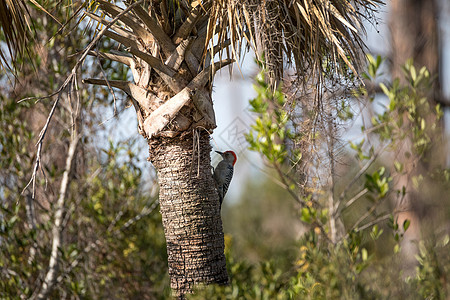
(359, 174)
(351, 201)
(48, 283)
(377, 220)
(286, 185)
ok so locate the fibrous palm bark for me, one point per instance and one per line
(190, 211)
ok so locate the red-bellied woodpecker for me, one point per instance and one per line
(224, 172)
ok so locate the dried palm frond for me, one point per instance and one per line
(15, 28)
(308, 34)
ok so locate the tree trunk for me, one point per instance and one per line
(190, 210)
(414, 35)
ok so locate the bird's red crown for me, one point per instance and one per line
(234, 154)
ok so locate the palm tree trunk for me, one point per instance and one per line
(190, 211)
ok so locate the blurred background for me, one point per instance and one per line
(276, 247)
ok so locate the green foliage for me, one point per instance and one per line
(270, 130)
(378, 183)
(125, 221)
(408, 106)
(14, 138)
(434, 266)
(336, 273)
(364, 262)
(113, 243)
(359, 150)
(262, 281)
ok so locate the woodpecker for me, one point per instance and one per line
(224, 172)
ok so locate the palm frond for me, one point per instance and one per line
(15, 29)
(307, 34)
(316, 37)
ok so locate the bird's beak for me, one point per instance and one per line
(221, 153)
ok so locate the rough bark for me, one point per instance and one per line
(190, 211)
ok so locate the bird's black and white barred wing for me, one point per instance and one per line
(228, 178)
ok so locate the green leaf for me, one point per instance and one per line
(406, 224)
(385, 90)
(445, 240)
(398, 166)
(306, 215)
(413, 73)
(364, 254)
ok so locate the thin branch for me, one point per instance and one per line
(269, 176)
(31, 218)
(331, 204)
(360, 173)
(363, 217)
(376, 221)
(351, 201)
(286, 185)
(107, 83)
(49, 280)
(144, 212)
(39, 150)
